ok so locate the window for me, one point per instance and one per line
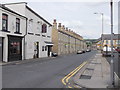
(4, 22)
(17, 25)
(45, 48)
(42, 48)
(44, 28)
(30, 25)
(106, 41)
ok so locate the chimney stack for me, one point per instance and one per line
(63, 27)
(66, 28)
(55, 24)
(59, 26)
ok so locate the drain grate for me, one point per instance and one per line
(85, 77)
(95, 63)
(89, 68)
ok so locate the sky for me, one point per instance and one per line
(77, 15)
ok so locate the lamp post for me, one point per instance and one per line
(102, 14)
(112, 62)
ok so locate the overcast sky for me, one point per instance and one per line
(77, 15)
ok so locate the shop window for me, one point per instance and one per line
(42, 48)
(4, 22)
(17, 25)
(14, 48)
(44, 28)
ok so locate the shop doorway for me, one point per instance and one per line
(14, 48)
(1, 49)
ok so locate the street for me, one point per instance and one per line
(42, 74)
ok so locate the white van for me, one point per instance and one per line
(106, 51)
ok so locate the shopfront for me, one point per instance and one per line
(1, 49)
(14, 48)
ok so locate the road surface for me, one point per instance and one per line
(42, 74)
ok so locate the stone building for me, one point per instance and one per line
(66, 41)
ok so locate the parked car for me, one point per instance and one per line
(54, 54)
(88, 50)
(83, 50)
(106, 51)
(79, 52)
(118, 49)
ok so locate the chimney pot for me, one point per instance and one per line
(59, 25)
(54, 20)
(67, 28)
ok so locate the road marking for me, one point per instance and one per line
(63, 80)
(75, 71)
(66, 78)
(69, 87)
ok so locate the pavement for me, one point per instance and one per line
(25, 61)
(95, 74)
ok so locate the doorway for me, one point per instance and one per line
(49, 50)
(14, 48)
(1, 49)
(36, 50)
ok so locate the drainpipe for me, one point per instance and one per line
(24, 38)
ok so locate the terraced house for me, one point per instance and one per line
(107, 41)
(35, 31)
(66, 41)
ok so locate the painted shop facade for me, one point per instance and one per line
(12, 32)
(27, 33)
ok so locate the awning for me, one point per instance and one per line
(49, 43)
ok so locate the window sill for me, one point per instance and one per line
(43, 36)
(48, 36)
(5, 31)
(17, 33)
(37, 34)
(30, 33)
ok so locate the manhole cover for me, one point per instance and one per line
(95, 63)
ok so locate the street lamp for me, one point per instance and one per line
(102, 14)
(112, 62)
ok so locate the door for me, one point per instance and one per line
(36, 50)
(49, 50)
(14, 48)
(1, 49)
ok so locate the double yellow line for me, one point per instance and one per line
(66, 78)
